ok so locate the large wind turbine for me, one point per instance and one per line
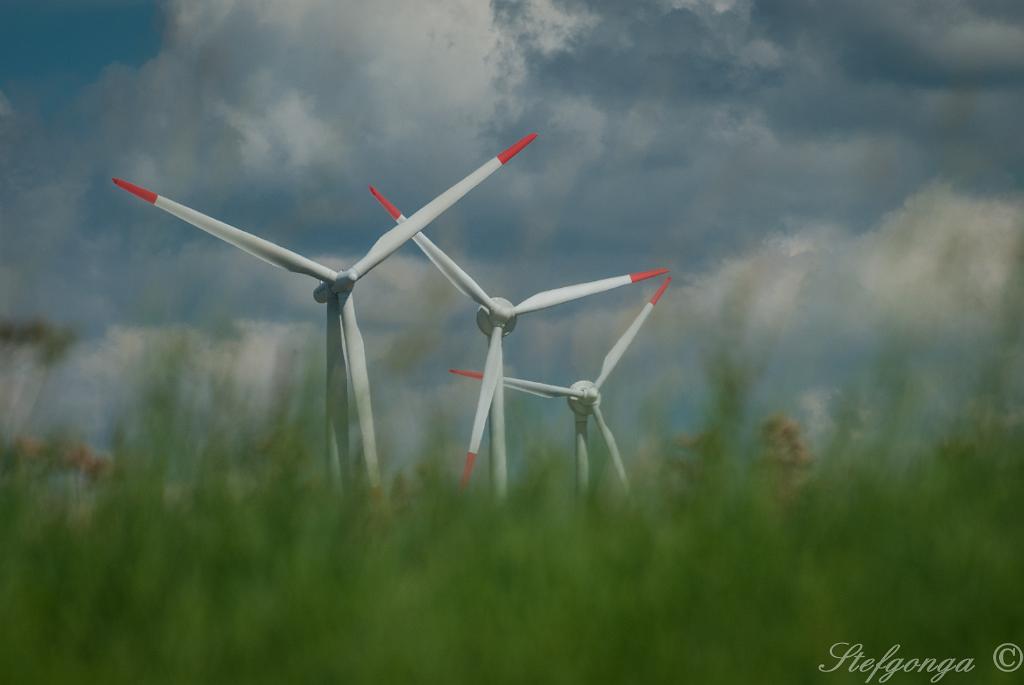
(585, 397)
(496, 318)
(346, 357)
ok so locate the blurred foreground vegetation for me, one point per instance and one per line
(209, 548)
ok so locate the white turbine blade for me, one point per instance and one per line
(613, 448)
(531, 387)
(445, 264)
(615, 354)
(396, 237)
(336, 396)
(549, 298)
(360, 387)
(257, 247)
(541, 389)
(492, 371)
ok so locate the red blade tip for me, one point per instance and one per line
(661, 290)
(392, 210)
(467, 470)
(644, 275)
(468, 374)
(514, 150)
(147, 195)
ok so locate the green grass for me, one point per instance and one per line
(213, 552)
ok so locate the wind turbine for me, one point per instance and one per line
(496, 318)
(585, 397)
(346, 356)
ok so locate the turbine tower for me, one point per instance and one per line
(346, 356)
(584, 397)
(496, 318)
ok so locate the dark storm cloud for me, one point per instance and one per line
(759, 113)
(646, 51)
(920, 43)
(945, 77)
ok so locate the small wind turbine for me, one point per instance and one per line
(346, 356)
(585, 397)
(496, 318)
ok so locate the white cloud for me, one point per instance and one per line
(815, 306)
(971, 43)
(286, 135)
(409, 65)
(552, 27)
(100, 380)
(942, 257)
(716, 6)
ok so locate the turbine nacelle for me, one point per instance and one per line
(587, 397)
(343, 283)
(322, 293)
(502, 314)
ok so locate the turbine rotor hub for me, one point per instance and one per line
(584, 406)
(502, 315)
(345, 281)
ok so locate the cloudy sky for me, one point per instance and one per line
(821, 177)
